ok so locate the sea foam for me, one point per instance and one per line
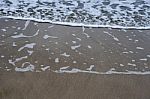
(128, 14)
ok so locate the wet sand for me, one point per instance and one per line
(46, 85)
(43, 60)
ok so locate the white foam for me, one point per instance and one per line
(21, 58)
(148, 55)
(47, 36)
(109, 72)
(30, 67)
(87, 7)
(65, 54)
(89, 46)
(45, 68)
(133, 60)
(74, 62)
(131, 51)
(11, 62)
(131, 64)
(125, 52)
(2, 56)
(121, 65)
(83, 29)
(140, 48)
(56, 60)
(19, 28)
(30, 52)
(31, 45)
(17, 60)
(75, 47)
(87, 35)
(92, 58)
(21, 35)
(78, 38)
(115, 38)
(73, 34)
(78, 24)
(4, 30)
(74, 42)
(66, 67)
(144, 59)
(26, 24)
(8, 69)
(51, 26)
(14, 44)
(130, 39)
(136, 40)
(90, 68)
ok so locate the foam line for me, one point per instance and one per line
(110, 72)
(76, 24)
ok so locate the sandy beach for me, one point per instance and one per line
(46, 85)
(47, 61)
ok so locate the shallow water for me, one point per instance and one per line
(36, 47)
(96, 13)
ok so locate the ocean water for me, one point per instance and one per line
(94, 13)
(33, 46)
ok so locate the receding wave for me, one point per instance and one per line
(92, 13)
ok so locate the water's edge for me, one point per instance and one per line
(75, 24)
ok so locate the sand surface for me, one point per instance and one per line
(47, 61)
(47, 85)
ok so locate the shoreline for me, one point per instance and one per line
(75, 24)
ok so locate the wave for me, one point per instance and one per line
(126, 14)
